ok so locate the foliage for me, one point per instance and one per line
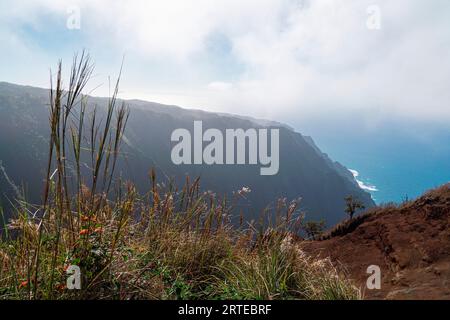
(352, 205)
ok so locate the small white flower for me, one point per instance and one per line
(244, 190)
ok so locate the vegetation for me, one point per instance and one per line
(352, 205)
(314, 229)
(165, 244)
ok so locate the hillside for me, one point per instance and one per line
(305, 172)
(88, 241)
(410, 243)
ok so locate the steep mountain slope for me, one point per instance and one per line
(304, 171)
(410, 244)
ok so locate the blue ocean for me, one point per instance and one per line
(394, 162)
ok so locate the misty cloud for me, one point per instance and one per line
(277, 59)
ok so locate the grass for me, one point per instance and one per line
(166, 244)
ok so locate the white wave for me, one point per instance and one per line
(361, 184)
(354, 172)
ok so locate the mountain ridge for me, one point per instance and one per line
(409, 242)
(305, 171)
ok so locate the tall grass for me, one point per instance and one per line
(169, 243)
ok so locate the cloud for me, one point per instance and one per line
(220, 85)
(269, 58)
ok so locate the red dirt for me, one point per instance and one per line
(411, 245)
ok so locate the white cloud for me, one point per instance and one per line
(220, 85)
(296, 58)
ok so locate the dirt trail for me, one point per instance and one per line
(411, 245)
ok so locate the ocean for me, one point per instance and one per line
(395, 161)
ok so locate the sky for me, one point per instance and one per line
(277, 59)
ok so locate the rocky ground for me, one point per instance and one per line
(410, 243)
